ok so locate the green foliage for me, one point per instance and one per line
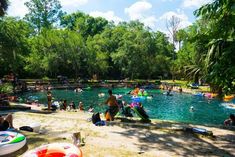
(208, 48)
(14, 35)
(6, 88)
(43, 13)
(84, 24)
(56, 52)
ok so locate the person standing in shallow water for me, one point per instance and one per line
(49, 99)
(180, 89)
(113, 106)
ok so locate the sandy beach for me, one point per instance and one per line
(123, 137)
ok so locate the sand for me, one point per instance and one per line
(124, 139)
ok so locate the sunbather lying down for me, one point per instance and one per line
(6, 122)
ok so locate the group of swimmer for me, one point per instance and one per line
(115, 104)
(63, 105)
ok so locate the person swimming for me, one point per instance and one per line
(191, 109)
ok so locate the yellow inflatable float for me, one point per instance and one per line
(228, 97)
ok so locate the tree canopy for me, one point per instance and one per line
(49, 42)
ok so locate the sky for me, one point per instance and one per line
(153, 13)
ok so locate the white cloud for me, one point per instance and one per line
(73, 3)
(17, 8)
(184, 21)
(136, 10)
(194, 3)
(149, 21)
(139, 11)
(109, 15)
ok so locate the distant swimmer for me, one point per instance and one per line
(191, 109)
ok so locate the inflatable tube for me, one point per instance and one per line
(145, 93)
(140, 112)
(87, 88)
(101, 95)
(149, 97)
(33, 97)
(138, 99)
(55, 150)
(11, 142)
(208, 95)
(118, 96)
(228, 97)
(229, 105)
(199, 94)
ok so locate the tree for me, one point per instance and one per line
(3, 7)
(191, 56)
(173, 26)
(59, 52)
(220, 57)
(14, 34)
(84, 24)
(43, 13)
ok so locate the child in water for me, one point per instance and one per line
(91, 109)
(230, 121)
(191, 109)
(80, 106)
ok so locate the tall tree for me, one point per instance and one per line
(14, 36)
(220, 57)
(43, 13)
(84, 24)
(172, 25)
(56, 52)
(3, 7)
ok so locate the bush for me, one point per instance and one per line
(45, 78)
(6, 88)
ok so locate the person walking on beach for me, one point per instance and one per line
(113, 106)
(49, 99)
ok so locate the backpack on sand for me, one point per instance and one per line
(95, 118)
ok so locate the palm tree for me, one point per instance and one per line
(219, 60)
(3, 7)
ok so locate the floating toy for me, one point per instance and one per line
(11, 142)
(55, 150)
(118, 96)
(228, 105)
(87, 88)
(138, 98)
(208, 95)
(199, 94)
(228, 97)
(139, 111)
(101, 95)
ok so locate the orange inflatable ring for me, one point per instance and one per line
(55, 150)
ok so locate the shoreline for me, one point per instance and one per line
(125, 138)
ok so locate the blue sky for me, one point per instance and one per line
(152, 13)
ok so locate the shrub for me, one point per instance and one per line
(6, 88)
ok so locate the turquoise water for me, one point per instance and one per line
(175, 108)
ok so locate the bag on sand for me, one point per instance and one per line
(95, 118)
